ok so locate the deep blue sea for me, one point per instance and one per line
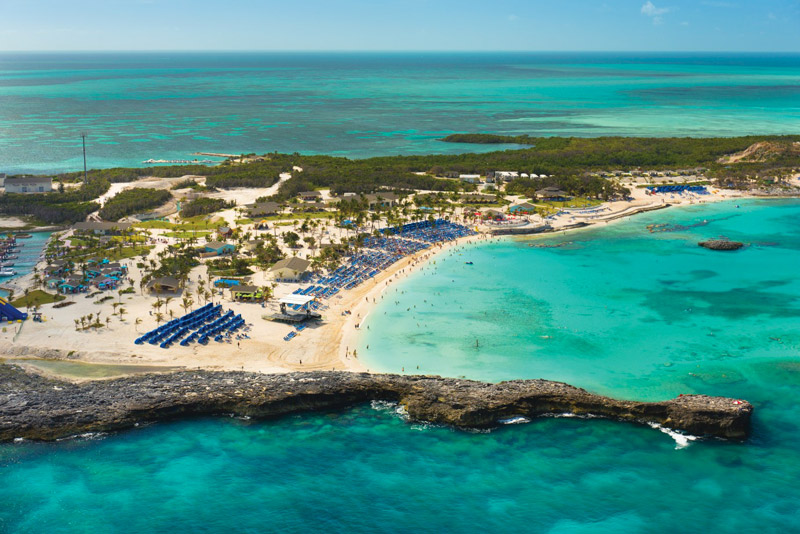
(139, 106)
(617, 310)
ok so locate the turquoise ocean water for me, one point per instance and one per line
(138, 106)
(28, 256)
(619, 311)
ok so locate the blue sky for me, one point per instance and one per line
(617, 25)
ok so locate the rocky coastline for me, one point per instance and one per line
(39, 408)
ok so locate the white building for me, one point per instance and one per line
(470, 178)
(28, 184)
(505, 176)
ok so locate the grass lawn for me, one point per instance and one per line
(187, 234)
(201, 222)
(125, 252)
(37, 297)
(129, 239)
(154, 224)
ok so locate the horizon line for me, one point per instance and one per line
(399, 51)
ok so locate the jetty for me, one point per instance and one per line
(39, 408)
(216, 155)
(528, 229)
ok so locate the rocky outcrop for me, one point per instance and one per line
(721, 244)
(39, 408)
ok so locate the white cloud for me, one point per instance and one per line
(649, 9)
(512, 18)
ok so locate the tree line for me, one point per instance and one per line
(58, 207)
(133, 201)
(204, 206)
(262, 173)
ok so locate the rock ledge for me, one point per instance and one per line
(721, 244)
(38, 408)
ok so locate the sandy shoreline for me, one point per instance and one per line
(328, 346)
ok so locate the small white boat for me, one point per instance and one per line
(7, 271)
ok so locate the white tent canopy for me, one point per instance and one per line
(296, 299)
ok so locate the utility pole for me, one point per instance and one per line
(83, 139)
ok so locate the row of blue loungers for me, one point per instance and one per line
(385, 250)
(200, 325)
(678, 188)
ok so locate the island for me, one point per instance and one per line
(721, 244)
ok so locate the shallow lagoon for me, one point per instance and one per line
(138, 106)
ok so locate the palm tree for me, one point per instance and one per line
(137, 322)
(77, 322)
(122, 312)
(108, 322)
(187, 303)
(159, 318)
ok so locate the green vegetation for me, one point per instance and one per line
(230, 266)
(133, 201)
(204, 206)
(37, 297)
(262, 173)
(124, 253)
(188, 225)
(582, 186)
(559, 155)
(176, 261)
(490, 139)
(343, 175)
(574, 203)
(56, 207)
(190, 234)
(565, 160)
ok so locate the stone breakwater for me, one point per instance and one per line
(39, 408)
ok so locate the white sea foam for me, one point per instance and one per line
(518, 420)
(570, 415)
(682, 440)
(393, 407)
(86, 436)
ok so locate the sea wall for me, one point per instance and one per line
(522, 230)
(39, 408)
